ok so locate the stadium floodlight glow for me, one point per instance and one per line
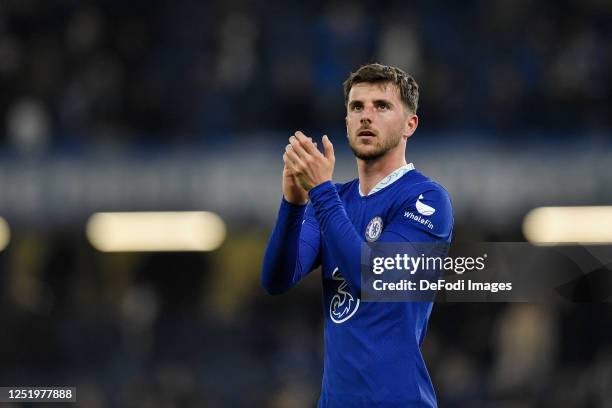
(5, 234)
(156, 231)
(567, 225)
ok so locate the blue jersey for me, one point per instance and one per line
(372, 349)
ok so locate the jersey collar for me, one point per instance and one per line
(390, 179)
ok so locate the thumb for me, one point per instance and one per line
(328, 148)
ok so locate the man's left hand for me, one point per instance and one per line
(310, 166)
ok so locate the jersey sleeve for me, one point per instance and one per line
(425, 215)
(338, 232)
(293, 249)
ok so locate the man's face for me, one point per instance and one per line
(377, 121)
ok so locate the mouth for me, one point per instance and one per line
(366, 133)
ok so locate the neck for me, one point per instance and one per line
(372, 171)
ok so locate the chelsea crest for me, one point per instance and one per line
(374, 229)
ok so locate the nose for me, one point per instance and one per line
(366, 115)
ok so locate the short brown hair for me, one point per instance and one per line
(378, 73)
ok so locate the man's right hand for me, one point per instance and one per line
(292, 190)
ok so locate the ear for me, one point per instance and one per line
(412, 122)
(346, 125)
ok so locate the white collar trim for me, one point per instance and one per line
(390, 179)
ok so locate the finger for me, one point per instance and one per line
(288, 163)
(307, 143)
(298, 148)
(328, 148)
(294, 159)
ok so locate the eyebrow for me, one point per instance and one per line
(376, 102)
(385, 101)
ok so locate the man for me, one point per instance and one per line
(372, 349)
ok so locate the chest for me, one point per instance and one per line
(369, 216)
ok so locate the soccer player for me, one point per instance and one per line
(372, 349)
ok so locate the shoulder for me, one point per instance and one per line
(423, 204)
(416, 184)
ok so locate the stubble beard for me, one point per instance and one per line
(380, 150)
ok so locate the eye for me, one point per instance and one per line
(382, 106)
(356, 107)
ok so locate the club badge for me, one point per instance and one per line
(374, 229)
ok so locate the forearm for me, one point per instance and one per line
(339, 233)
(281, 257)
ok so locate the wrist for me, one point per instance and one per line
(328, 184)
(293, 202)
(318, 183)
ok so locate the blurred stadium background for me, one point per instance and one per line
(186, 105)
